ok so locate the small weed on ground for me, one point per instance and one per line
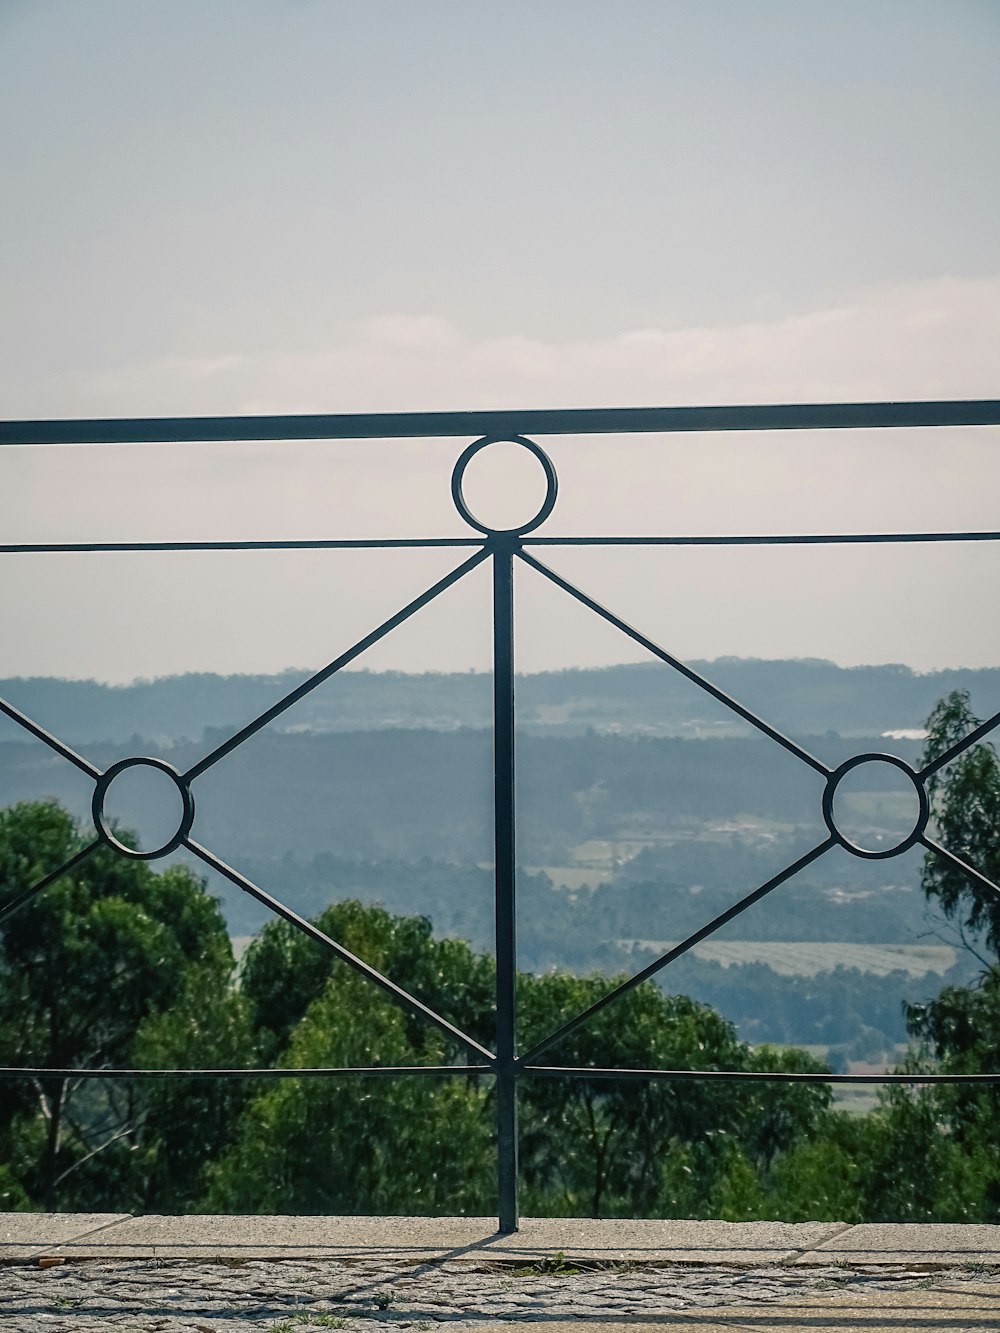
(308, 1320)
(557, 1266)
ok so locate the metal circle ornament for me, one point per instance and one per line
(551, 485)
(105, 830)
(923, 806)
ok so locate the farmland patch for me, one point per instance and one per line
(806, 958)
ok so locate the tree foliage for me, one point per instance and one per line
(116, 964)
(954, 1129)
(83, 967)
(355, 1144)
(965, 802)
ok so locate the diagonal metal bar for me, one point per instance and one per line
(953, 751)
(543, 421)
(971, 872)
(728, 915)
(47, 739)
(307, 685)
(403, 998)
(15, 904)
(320, 544)
(677, 664)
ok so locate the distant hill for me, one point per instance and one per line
(645, 808)
(803, 697)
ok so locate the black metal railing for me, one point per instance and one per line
(500, 548)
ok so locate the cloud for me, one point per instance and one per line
(921, 340)
(929, 339)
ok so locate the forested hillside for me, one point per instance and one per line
(628, 840)
(417, 793)
(801, 696)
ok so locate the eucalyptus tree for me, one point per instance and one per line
(106, 948)
(952, 1130)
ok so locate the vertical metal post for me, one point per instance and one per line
(503, 813)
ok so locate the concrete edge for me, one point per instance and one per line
(17, 1248)
(584, 1243)
(80, 1238)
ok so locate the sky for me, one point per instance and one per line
(316, 205)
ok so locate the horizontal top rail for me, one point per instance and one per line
(500, 424)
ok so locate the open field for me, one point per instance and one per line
(805, 958)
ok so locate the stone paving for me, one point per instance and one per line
(289, 1295)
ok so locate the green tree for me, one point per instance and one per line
(627, 1148)
(349, 1144)
(588, 1146)
(965, 802)
(284, 971)
(185, 1124)
(952, 1130)
(83, 966)
(819, 1178)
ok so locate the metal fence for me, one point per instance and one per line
(500, 548)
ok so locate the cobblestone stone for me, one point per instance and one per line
(293, 1296)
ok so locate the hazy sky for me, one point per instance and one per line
(308, 205)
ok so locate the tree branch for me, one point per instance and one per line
(107, 1144)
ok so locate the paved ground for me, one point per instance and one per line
(220, 1275)
(289, 1296)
